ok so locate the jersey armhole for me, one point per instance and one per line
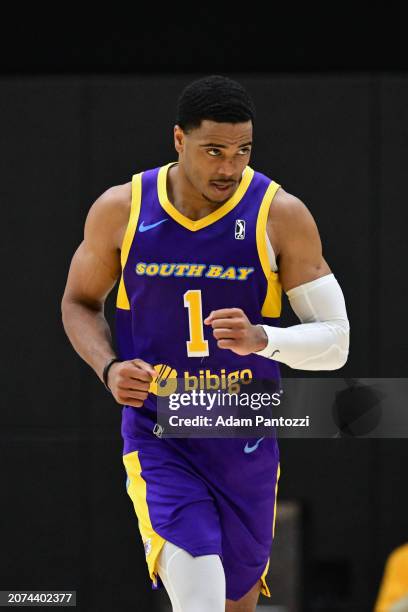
(122, 300)
(272, 303)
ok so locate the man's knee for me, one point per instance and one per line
(203, 602)
(194, 584)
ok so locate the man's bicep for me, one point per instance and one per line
(300, 259)
(90, 279)
(95, 266)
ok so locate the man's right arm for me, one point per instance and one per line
(94, 271)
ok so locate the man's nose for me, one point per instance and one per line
(227, 170)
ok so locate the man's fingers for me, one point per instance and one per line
(132, 384)
(226, 343)
(132, 393)
(145, 366)
(222, 313)
(130, 401)
(230, 323)
(142, 375)
(145, 371)
(225, 333)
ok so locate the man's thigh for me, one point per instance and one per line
(247, 603)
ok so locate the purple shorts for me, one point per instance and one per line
(207, 496)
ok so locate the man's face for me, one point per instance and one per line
(215, 154)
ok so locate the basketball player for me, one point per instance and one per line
(202, 248)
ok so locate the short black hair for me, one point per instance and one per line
(216, 98)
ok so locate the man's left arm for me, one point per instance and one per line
(321, 341)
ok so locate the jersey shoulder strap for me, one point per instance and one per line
(122, 300)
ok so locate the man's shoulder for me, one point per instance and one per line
(116, 200)
(287, 213)
(109, 214)
(121, 199)
(283, 202)
(288, 217)
(120, 193)
(286, 205)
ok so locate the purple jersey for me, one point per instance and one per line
(205, 495)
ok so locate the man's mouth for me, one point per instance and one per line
(222, 187)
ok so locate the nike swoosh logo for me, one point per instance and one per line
(250, 449)
(277, 351)
(145, 228)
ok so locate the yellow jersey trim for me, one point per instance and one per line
(276, 497)
(264, 587)
(273, 300)
(152, 541)
(122, 300)
(225, 208)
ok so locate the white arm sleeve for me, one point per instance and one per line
(321, 342)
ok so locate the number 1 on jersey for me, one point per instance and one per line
(196, 346)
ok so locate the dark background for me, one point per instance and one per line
(84, 109)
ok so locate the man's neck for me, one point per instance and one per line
(188, 202)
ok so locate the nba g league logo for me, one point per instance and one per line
(239, 229)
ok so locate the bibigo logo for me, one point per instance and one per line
(167, 381)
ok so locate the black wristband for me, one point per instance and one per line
(106, 370)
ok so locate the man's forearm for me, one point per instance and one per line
(89, 334)
(322, 341)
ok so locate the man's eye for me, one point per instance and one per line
(241, 151)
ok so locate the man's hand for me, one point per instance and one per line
(233, 330)
(130, 380)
